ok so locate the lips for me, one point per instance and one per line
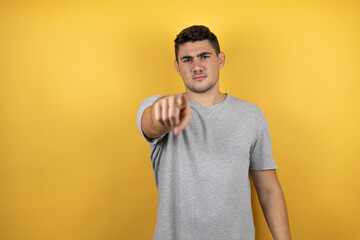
(199, 77)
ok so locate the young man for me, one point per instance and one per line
(203, 145)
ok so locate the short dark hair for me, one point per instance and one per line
(196, 33)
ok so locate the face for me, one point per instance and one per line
(199, 66)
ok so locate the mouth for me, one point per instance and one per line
(199, 77)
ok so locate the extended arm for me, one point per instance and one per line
(272, 201)
(166, 114)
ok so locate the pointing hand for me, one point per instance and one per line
(173, 111)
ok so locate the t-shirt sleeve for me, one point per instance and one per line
(143, 105)
(261, 156)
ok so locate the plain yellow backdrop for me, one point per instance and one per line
(73, 165)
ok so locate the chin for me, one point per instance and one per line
(200, 90)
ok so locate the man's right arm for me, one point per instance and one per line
(166, 114)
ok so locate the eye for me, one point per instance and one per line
(204, 57)
(186, 60)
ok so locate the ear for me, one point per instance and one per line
(176, 64)
(221, 60)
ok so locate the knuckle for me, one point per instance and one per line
(172, 100)
(162, 100)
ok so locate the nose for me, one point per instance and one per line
(197, 66)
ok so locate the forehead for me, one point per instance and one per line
(194, 48)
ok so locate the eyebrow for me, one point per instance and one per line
(199, 55)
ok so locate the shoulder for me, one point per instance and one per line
(245, 107)
(150, 100)
(147, 102)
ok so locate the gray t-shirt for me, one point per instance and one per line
(202, 175)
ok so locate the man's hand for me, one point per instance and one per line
(166, 114)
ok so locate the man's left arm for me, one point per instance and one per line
(272, 201)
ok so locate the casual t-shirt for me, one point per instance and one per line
(202, 175)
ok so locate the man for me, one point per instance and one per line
(203, 145)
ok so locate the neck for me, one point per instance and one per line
(211, 97)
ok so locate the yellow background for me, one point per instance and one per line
(73, 164)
